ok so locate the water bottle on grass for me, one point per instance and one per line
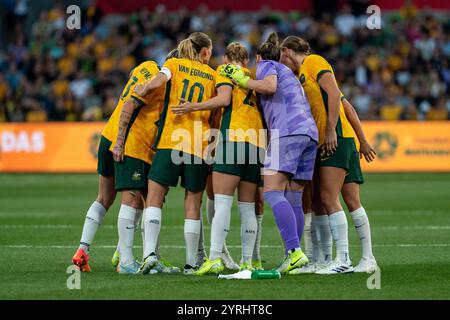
(265, 274)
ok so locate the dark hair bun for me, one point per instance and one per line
(273, 38)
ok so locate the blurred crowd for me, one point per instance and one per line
(51, 73)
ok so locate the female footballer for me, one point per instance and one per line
(124, 158)
(292, 148)
(338, 158)
(182, 142)
(237, 165)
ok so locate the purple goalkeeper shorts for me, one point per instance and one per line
(295, 155)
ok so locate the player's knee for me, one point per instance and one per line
(192, 214)
(105, 201)
(352, 203)
(307, 206)
(328, 201)
(132, 198)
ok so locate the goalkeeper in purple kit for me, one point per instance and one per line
(291, 153)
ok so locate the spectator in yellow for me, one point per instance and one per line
(439, 111)
(391, 110)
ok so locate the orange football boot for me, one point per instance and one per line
(81, 260)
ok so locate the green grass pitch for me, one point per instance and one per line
(41, 217)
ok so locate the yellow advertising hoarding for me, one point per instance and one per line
(49, 147)
(72, 147)
(409, 146)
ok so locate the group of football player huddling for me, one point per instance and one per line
(188, 120)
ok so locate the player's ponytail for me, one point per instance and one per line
(190, 47)
(186, 50)
(273, 38)
(270, 50)
(236, 52)
(172, 54)
(296, 44)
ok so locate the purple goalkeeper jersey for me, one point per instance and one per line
(288, 108)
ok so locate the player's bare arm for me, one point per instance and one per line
(328, 83)
(365, 148)
(155, 82)
(266, 86)
(124, 121)
(222, 99)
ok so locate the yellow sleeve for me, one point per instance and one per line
(171, 64)
(151, 97)
(221, 80)
(152, 69)
(316, 66)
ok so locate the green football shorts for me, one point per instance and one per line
(346, 157)
(105, 161)
(131, 174)
(168, 165)
(244, 160)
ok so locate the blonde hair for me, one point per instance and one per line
(190, 47)
(235, 51)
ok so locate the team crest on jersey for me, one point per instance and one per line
(136, 176)
(302, 78)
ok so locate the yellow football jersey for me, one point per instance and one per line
(242, 120)
(142, 129)
(312, 68)
(195, 82)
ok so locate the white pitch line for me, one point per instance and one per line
(401, 245)
(178, 227)
(375, 212)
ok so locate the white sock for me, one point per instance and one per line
(339, 230)
(307, 236)
(138, 218)
(362, 227)
(209, 210)
(257, 248)
(314, 239)
(210, 216)
(152, 227)
(201, 240)
(137, 225)
(94, 218)
(126, 227)
(325, 240)
(143, 234)
(249, 228)
(220, 224)
(191, 237)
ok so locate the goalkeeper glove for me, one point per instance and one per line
(236, 74)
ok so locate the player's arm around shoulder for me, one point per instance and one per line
(224, 90)
(267, 85)
(163, 76)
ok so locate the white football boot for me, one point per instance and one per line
(336, 267)
(366, 265)
(228, 261)
(148, 264)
